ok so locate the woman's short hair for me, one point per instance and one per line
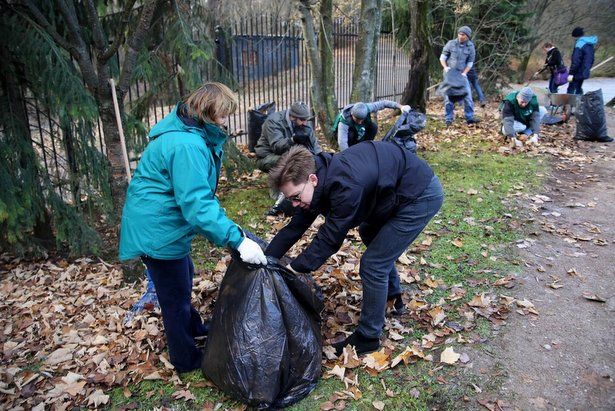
(547, 45)
(294, 166)
(210, 101)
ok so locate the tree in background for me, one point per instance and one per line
(61, 55)
(415, 93)
(364, 73)
(319, 44)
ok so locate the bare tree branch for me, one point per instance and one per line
(134, 44)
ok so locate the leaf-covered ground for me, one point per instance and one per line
(65, 342)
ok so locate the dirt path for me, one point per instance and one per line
(564, 358)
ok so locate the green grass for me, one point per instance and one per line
(494, 176)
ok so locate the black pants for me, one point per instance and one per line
(371, 129)
(182, 322)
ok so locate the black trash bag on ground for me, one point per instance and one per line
(264, 346)
(591, 119)
(454, 85)
(550, 120)
(403, 131)
(256, 118)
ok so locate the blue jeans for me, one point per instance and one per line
(385, 243)
(479, 91)
(575, 86)
(468, 105)
(182, 322)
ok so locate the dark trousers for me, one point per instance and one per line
(552, 86)
(371, 129)
(182, 322)
(575, 86)
(385, 243)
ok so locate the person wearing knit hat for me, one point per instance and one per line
(281, 131)
(354, 123)
(459, 54)
(521, 114)
(581, 61)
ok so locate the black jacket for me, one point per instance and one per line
(364, 183)
(554, 59)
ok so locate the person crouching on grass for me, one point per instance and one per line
(385, 190)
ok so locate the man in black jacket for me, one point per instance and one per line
(388, 192)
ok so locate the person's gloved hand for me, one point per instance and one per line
(570, 78)
(251, 253)
(446, 69)
(302, 135)
(405, 109)
(464, 74)
(528, 132)
(533, 139)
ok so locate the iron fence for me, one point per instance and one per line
(267, 61)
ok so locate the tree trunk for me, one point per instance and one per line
(364, 73)
(418, 76)
(320, 56)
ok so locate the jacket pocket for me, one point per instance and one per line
(171, 237)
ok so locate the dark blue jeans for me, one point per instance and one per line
(552, 86)
(385, 243)
(575, 86)
(479, 91)
(182, 322)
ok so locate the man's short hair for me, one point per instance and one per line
(294, 166)
(547, 45)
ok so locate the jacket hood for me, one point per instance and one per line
(211, 133)
(586, 40)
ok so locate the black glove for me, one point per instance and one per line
(302, 135)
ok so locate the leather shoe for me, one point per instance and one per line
(605, 139)
(363, 345)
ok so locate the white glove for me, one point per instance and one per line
(446, 69)
(534, 139)
(251, 253)
(570, 78)
(405, 109)
(464, 74)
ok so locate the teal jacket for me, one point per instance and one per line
(172, 195)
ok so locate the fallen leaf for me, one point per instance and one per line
(379, 405)
(449, 356)
(185, 395)
(593, 297)
(457, 242)
(97, 398)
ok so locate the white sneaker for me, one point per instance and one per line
(516, 143)
(533, 139)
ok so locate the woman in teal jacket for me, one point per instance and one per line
(171, 198)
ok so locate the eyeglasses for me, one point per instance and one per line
(297, 197)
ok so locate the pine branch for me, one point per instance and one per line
(44, 23)
(134, 44)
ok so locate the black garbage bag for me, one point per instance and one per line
(454, 85)
(256, 118)
(403, 131)
(591, 119)
(264, 346)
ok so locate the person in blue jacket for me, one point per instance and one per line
(391, 200)
(582, 60)
(170, 199)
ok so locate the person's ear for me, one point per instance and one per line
(313, 179)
